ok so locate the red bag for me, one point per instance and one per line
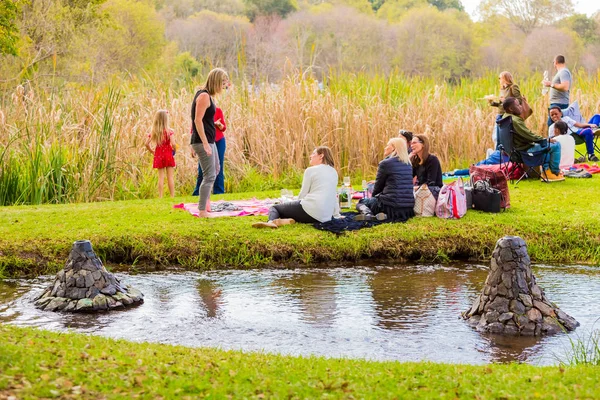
(495, 176)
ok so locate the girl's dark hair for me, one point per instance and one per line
(415, 160)
(326, 153)
(561, 126)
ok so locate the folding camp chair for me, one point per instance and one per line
(529, 160)
(574, 113)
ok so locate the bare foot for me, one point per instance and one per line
(203, 214)
(284, 221)
(269, 224)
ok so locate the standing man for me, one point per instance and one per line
(560, 86)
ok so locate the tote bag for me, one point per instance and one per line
(452, 201)
(424, 202)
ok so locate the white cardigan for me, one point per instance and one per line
(318, 196)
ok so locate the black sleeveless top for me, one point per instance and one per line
(208, 120)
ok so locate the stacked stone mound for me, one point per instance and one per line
(511, 302)
(85, 285)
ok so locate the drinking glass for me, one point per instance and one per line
(346, 181)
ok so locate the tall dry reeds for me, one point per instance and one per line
(86, 143)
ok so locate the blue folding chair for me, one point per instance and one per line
(529, 160)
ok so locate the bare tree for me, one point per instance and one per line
(543, 44)
(213, 39)
(527, 14)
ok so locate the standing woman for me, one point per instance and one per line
(203, 133)
(507, 89)
(426, 167)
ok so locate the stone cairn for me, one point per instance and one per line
(85, 285)
(511, 302)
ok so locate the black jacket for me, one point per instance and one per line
(393, 185)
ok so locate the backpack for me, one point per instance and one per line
(452, 201)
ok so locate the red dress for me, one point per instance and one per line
(163, 154)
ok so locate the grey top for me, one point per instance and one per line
(557, 96)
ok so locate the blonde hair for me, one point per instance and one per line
(507, 76)
(214, 81)
(159, 127)
(400, 149)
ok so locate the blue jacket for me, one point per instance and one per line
(393, 185)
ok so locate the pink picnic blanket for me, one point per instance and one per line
(247, 207)
(592, 169)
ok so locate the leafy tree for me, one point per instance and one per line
(8, 28)
(586, 28)
(134, 37)
(394, 10)
(435, 43)
(361, 5)
(282, 8)
(376, 4)
(527, 14)
(446, 4)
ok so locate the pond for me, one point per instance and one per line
(404, 313)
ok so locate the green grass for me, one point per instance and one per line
(560, 223)
(41, 364)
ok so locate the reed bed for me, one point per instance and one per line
(77, 143)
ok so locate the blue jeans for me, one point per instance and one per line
(588, 135)
(219, 186)
(562, 107)
(552, 160)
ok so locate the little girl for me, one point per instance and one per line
(163, 153)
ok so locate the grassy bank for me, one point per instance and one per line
(560, 223)
(35, 364)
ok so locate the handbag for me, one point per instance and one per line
(485, 197)
(527, 111)
(496, 178)
(424, 202)
(452, 201)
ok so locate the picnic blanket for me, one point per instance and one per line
(233, 208)
(348, 223)
(592, 169)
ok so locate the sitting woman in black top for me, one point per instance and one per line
(393, 192)
(426, 167)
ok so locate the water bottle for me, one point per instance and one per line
(545, 89)
(365, 186)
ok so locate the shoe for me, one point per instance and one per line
(364, 217)
(580, 160)
(552, 177)
(592, 157)
(260, 225)
(284, 221)
(381, 216)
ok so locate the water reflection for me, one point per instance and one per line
(384, 313)
(409, 297)
(211, 296)
(314, 294)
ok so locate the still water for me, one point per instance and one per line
(406, 313)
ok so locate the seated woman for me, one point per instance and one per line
(426, 168)
(317, 199)
(392, 193)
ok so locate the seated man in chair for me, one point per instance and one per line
(525, 140)
(586, 131)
